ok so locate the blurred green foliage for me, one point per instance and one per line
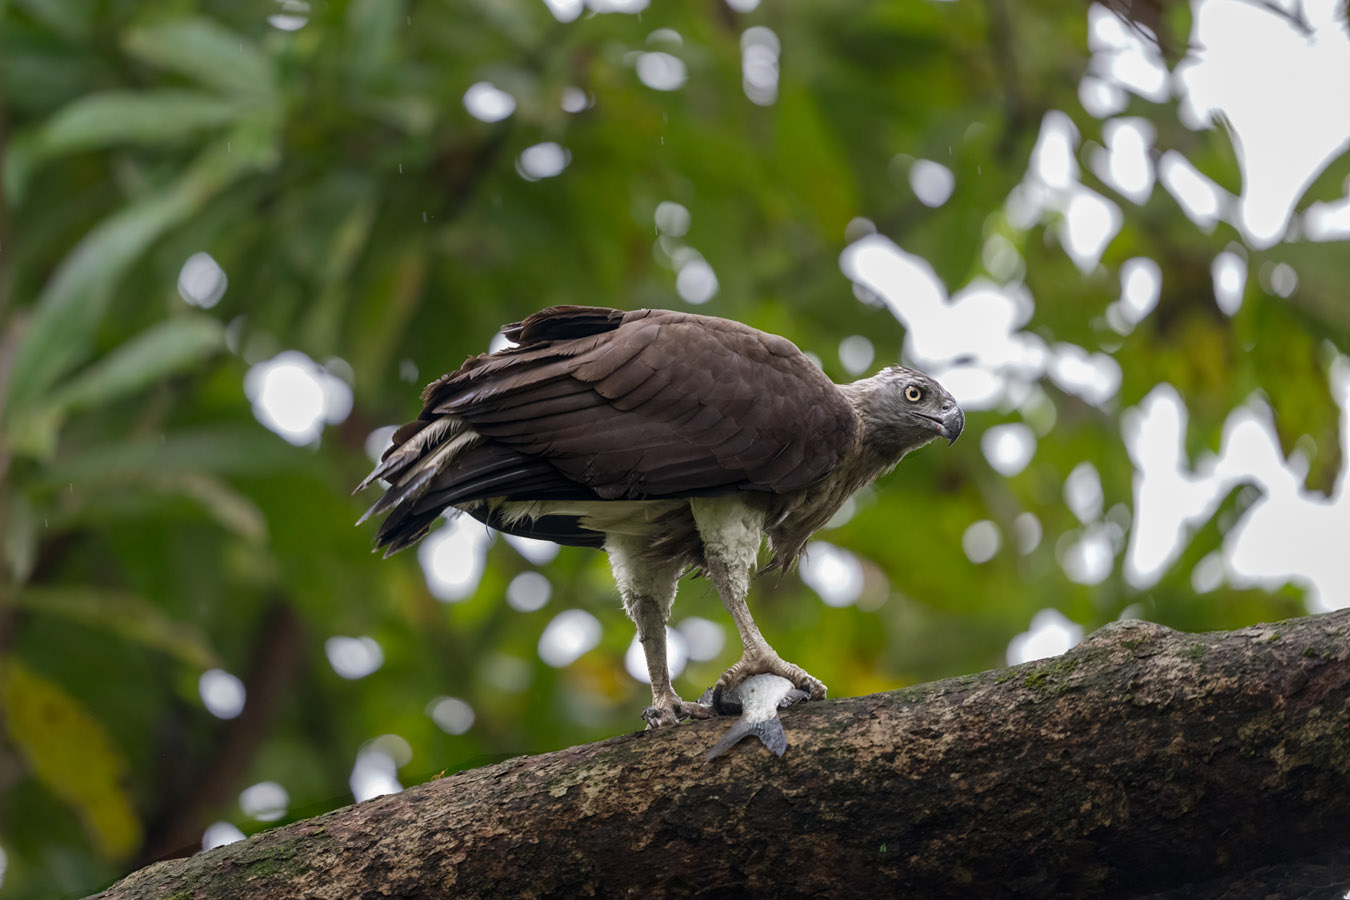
(152, 529)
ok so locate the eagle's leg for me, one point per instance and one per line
(732, 533)
(648, 591)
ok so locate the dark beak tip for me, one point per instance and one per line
(953, 426)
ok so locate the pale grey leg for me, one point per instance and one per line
(648, 593)
(731, 537)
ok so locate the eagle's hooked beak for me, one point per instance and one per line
(952, 424)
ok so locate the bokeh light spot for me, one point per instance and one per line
(1027, 530)
(672, 218)
(696, 282)
(528, 592)
(1051, 633)
(452, 558)
(856, 354)
(265, 801)
(661, 71)
(571, 634)
(353, 657)
(218, 834)
(294, 397)
(534, 550)
(1083, 492)
(222, 693)
(1008, 447)
(703, 638)
(1229, 271)
(635, 659)
(981, 541)
(201, 281)
(451, 714)
(488, 103)
(932, 182)
(832, 572)
(374, 774)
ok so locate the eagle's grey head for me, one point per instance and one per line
(903, 409)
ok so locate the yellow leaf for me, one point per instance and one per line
(72, 755)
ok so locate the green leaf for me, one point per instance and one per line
(167, 347)
(132, 495)
(70, 752)
(125, 615)
(133, 117)
(231, 450)
(234, 511)
(372, 27)
(208, 53)
(18, 541)
(61, 328)
(72, 19)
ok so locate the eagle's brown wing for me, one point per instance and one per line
(600, 404)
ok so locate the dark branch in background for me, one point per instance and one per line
(1002, 39)
(6, 271)
(1297, 18)
(1148, 19)
(177, 829)
(1144, 761)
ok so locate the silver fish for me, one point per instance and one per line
(758, 700)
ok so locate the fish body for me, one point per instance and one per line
(758, 700)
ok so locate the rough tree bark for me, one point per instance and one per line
(1143, 762)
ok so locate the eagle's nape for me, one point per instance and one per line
(670, 440)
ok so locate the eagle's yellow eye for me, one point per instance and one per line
(913, 394)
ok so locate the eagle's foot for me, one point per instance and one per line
(769, 663)
(670, 710)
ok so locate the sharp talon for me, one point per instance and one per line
(671, 713)
(731, 680)
(659, 717)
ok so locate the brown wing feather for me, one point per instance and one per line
(653, 403)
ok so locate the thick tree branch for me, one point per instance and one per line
(1143, 761)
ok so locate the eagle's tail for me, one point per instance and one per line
(443, 465)
(421, 452)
